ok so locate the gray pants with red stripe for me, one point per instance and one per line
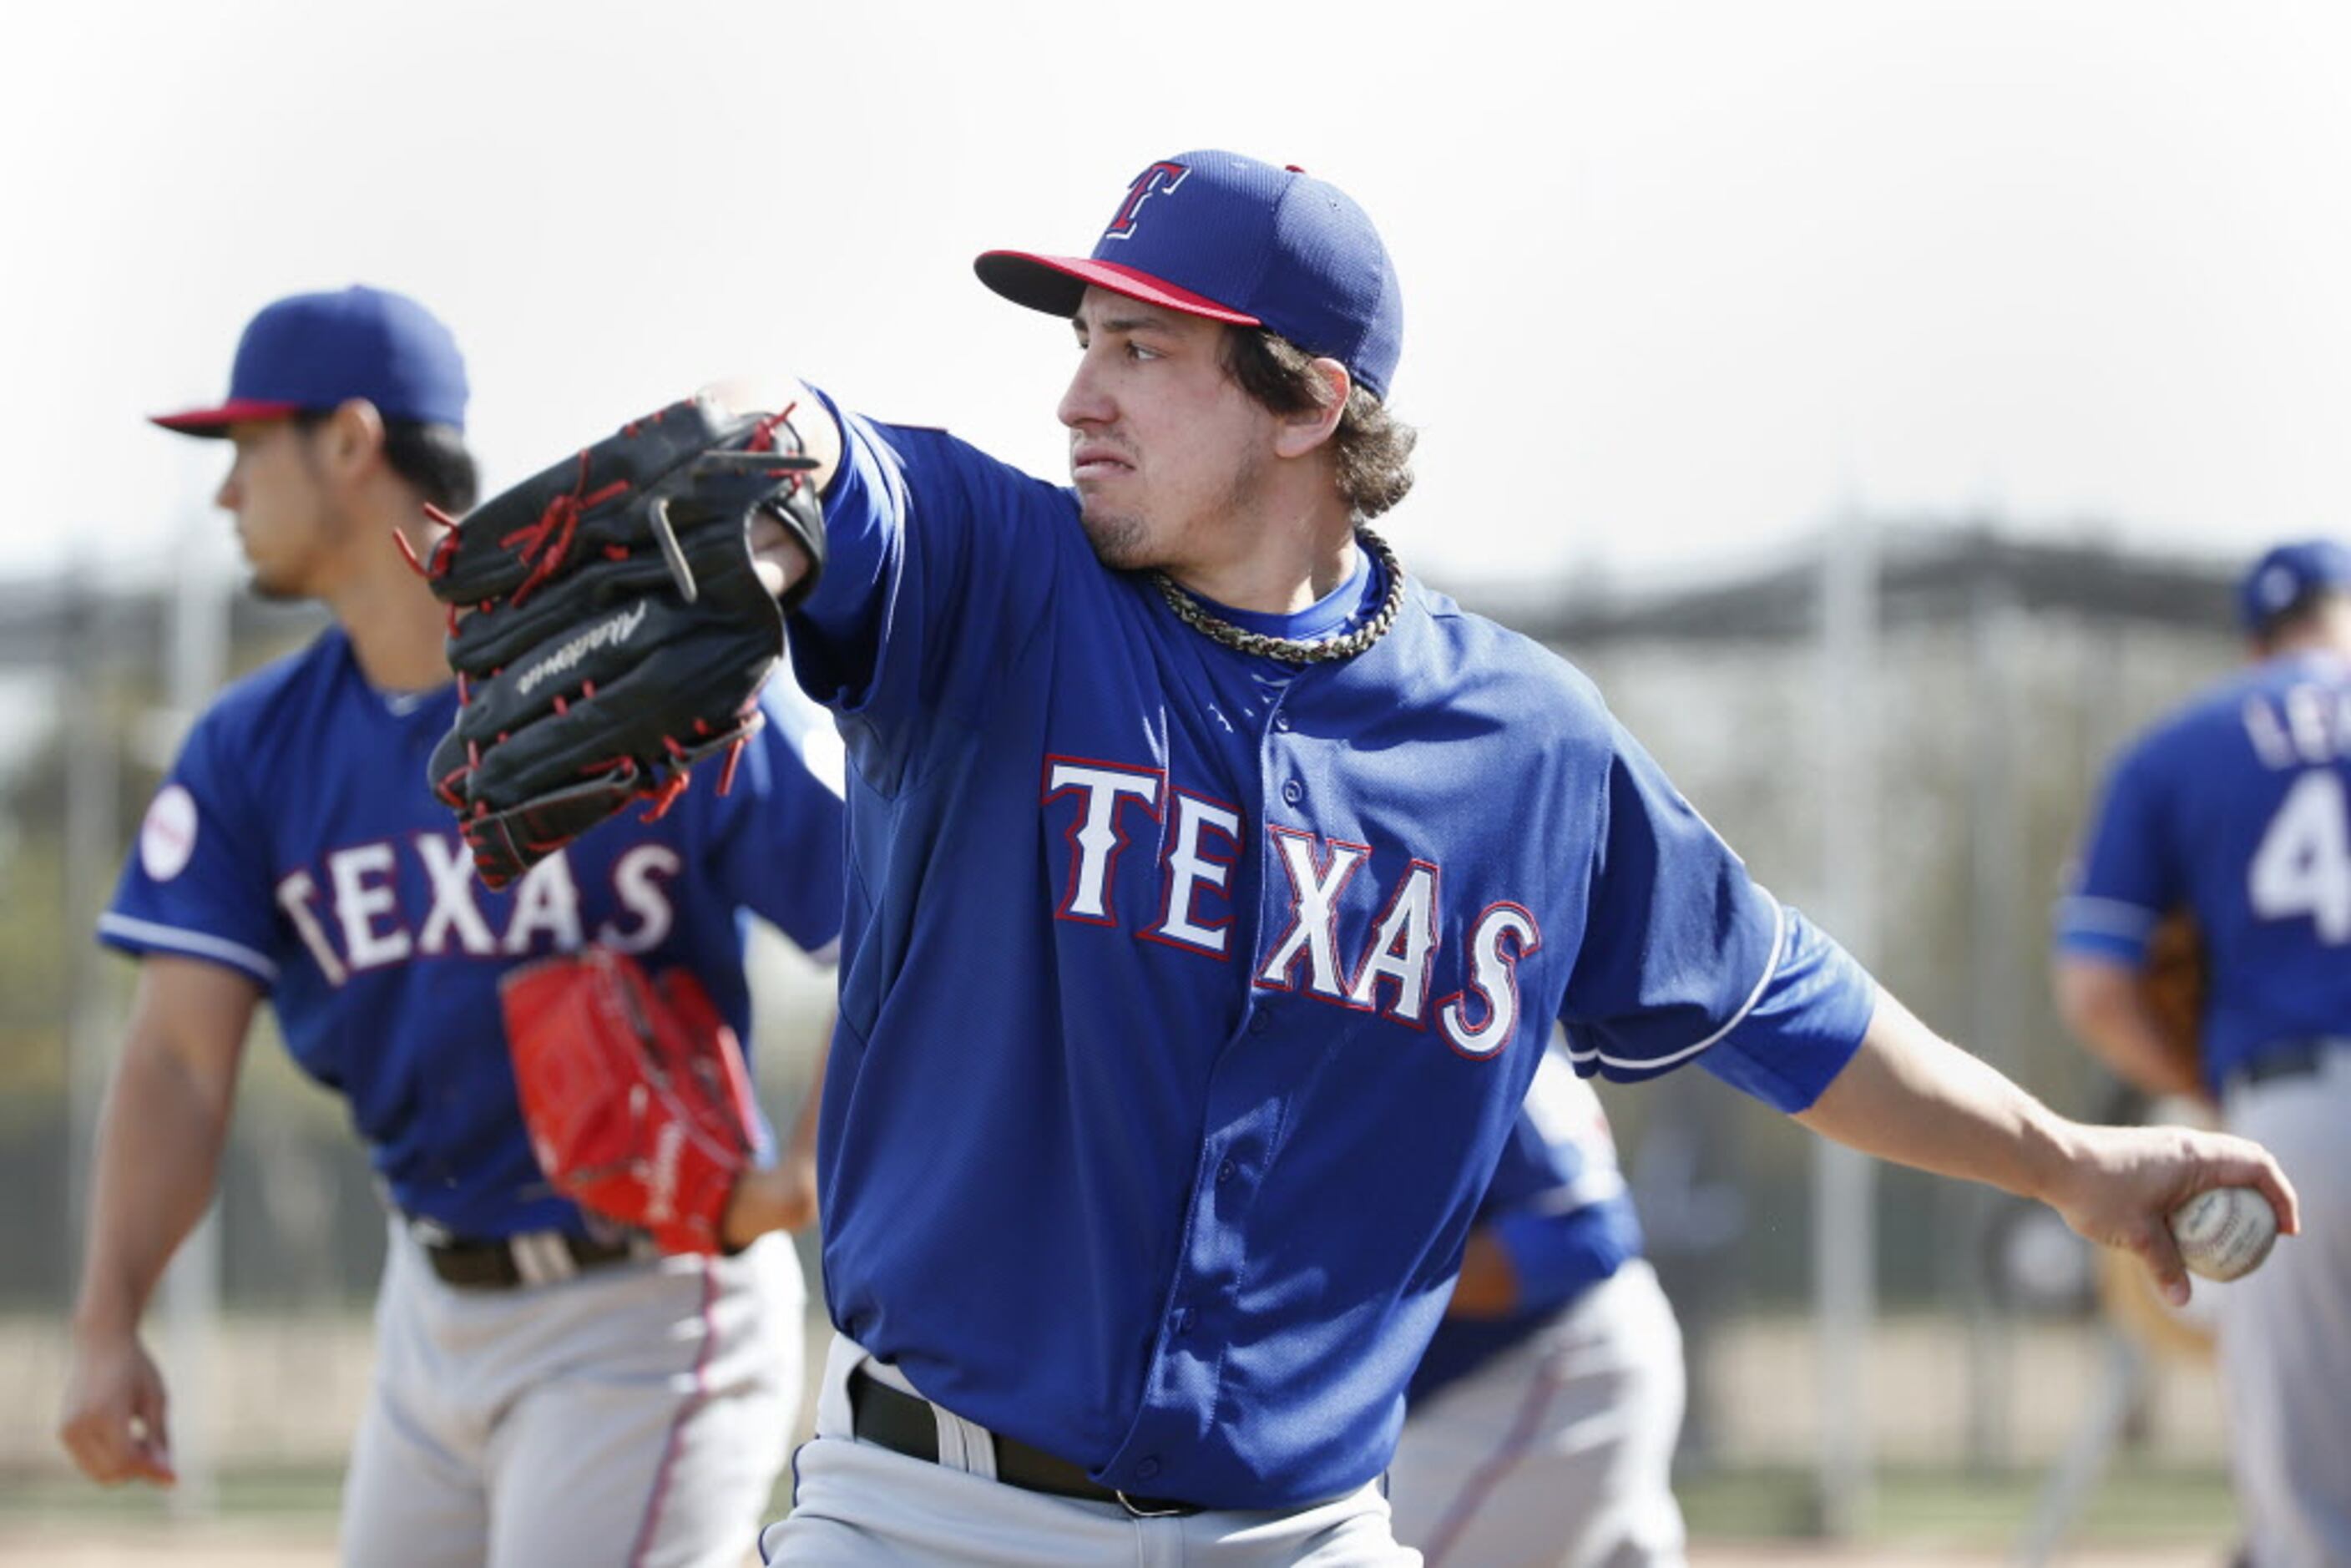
(1559, 1451)
(635, 1413)
(2285, 1329)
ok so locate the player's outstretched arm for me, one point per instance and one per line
(159, 1145)
(1910, 1096)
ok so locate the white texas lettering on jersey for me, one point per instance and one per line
(454, 910)
(1095, 837)
(1193, 873)
(351, 920)
(1313, 911)
(1494, 976)
(1402, 942)
(361, 880)
(1392, 975)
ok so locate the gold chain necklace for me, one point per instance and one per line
(1287, 649)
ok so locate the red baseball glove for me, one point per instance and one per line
(635, 1093)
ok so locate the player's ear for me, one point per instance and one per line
(352, 435)
(1296, 434)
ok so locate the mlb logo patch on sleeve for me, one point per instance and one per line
(167, 839)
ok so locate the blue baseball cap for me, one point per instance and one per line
(2287, 575)
(318, 351)
(1220, 235)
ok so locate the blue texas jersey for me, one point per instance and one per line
(2238, 806)
(294, 842)
(1559, 1207)
(1187, 999)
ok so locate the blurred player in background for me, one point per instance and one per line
(548, 1387)
(1539, 1429)
(2237, 808)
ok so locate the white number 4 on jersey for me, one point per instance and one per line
(2303, 863)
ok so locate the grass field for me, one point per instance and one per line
(2142, 1517)
(296, 1386)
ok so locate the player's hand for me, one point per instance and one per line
(112, 1423)
(781, 1198)
(779, 560)
(2119, 1185)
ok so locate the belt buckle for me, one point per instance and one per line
(1135, 1510)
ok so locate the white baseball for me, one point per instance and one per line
(2224, 1231)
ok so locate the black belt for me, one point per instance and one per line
(537, 1257)
(2285, 1058)
(902, 1423)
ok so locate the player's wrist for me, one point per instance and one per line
(2052, 1155)
(750, 1211)
(770, 1198)
(107, 1320)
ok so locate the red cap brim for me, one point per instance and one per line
(1054, 284)
(217, 421)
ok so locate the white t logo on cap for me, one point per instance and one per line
(1158, 177)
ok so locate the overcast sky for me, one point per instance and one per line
(1681, 279)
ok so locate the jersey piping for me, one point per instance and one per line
(194, 943)
(1770, 968)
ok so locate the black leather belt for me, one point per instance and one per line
(2285, 1058)
(537, 1257)
(902, 1423)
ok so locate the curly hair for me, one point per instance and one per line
(1373, 448)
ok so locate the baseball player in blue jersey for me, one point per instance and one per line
(1213, 885)
(548, 1389)
(1539, 1430)
(2238, 809)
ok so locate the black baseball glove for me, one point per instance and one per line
(608, 628)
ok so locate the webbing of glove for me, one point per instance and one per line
(2174, 979)
(609, 628)
(635, 1097)
(594, 503)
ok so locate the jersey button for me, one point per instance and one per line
(1257, 1023)
(1225, 1171)
(1146, 1469)
(1281, 722)
(1293, 793)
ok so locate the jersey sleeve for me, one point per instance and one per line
(940, 559)
(1556, 1255)
(2128, 874)
(1682, 948)
(197, 881)
(777, 847)
(1804, 1027)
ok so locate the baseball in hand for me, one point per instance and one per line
(2224, 1231)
